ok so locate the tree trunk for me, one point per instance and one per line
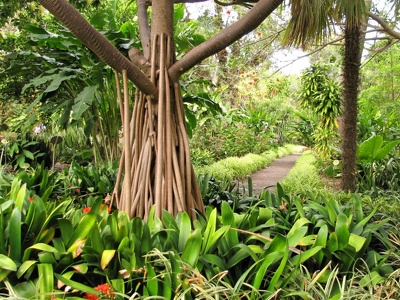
(351, 69)
(156, 157)
(354, 45)
(158, 168)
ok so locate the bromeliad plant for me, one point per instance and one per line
(61, 248)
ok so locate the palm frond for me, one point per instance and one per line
(310, 22)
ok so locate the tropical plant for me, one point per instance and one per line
(321, 96)
(371, 154)
(23, 150)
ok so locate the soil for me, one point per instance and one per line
(268, 177)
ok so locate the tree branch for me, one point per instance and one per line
(250, 21)
(144, 29)
(96, 42)
(384, 26)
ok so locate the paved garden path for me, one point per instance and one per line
(271, 175)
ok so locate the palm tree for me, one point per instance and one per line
(156, 159)
(311, 22)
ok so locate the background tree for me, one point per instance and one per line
(311, 23)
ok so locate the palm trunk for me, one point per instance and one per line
(351, 70)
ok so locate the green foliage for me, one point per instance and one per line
(301, 129)
(232, 168)
(243, 247)
(374, 149)
(377, 169)
(23, 151)
(304, 176)
(321, 96)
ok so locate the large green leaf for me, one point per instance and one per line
(192, 248)
(7, 263)
(83, 101)
(185, 228)
(83, 229)
(375, 148)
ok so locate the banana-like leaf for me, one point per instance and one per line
(83, 101)
(76, 247)
(358, 208)
(332, 243)
(209, 231)
(15, 187)
(46, 236)
(66, 229)
(321, 240)
(303, 256)
(213, 242)
(274, 280)
(375, 149)
(243, 253)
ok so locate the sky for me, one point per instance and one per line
(287, 61)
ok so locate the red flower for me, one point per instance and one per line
(105, 206)
(31, 198)
(258, 33)
(86, 209)
(105, 289)
(90, 297)
(228, 12)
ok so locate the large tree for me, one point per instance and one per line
(156, 158)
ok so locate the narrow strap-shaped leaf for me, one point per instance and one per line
(151, 281)
(76, 285)
(15, 235)
(185, 227)
(46, 280)
(192, 248)
(26, 265)
(7, 263)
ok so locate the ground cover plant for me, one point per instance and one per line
(307, 245)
